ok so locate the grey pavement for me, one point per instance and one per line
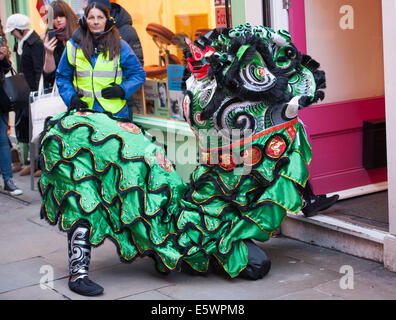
(33, 266)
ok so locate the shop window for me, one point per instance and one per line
(161, 26)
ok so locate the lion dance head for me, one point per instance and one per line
(239, 82)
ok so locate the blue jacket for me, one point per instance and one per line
(132, 70)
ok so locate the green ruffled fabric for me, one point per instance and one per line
(97, 171)
(117, 180)
(221, 209)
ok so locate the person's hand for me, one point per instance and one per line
(50, 45)
(77, 103)
(115, 91)
(3, 52)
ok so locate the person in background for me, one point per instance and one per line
(5, 151)
(30, 61)
(99, 71)
(65, 22)
(123, 22)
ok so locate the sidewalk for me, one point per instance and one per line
(32, 251)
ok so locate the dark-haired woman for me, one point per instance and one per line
(65, 22)
(98, 71)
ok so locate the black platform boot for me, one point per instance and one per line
(318, 203)
(314, 204)
(258, 262)
(79, 258)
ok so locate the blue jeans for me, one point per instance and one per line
(5, 151)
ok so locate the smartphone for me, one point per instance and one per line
(2, 41)
(51, 34)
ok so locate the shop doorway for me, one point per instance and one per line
(368, 211)
(347, 41)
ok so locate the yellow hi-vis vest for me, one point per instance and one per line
(90, 81)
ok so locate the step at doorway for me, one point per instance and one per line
(367, 211)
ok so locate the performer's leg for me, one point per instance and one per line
(312, 203)
(79, 258)
(306, 193)
(258, 262)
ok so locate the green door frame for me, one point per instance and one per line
(22, 7)
(238, 12)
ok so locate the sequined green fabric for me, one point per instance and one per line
(222, 208)
(106, 172)
(243, 90)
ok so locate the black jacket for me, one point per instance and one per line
(31, 62)
(5, 66)
(128, 33)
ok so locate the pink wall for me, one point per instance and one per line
(297, 25)
(337, 143)
(352, 58)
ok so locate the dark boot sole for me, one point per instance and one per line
(320, 207)
(96, 292)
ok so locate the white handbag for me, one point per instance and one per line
(44, 105)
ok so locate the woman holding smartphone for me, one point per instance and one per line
(65, 22)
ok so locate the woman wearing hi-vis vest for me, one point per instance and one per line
(98, 71)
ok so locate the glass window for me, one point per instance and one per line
(160, 25)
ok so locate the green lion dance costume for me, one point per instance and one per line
(103, 178)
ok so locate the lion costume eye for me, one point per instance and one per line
(256, 77)
(256, 73)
